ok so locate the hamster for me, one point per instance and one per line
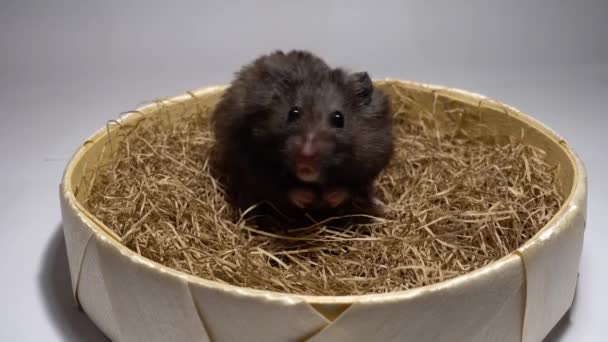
(301, 139)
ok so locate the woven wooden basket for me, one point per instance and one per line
(517, 298)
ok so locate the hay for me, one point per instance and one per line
(456, 202)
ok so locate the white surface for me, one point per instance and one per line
(67, 67)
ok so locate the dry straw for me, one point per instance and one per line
(456, 200)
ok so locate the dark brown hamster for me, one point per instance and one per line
(305, 139)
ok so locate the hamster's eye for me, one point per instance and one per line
(337, 119)
(294, 114)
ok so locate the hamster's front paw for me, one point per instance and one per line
(301, 198)
(335, 196)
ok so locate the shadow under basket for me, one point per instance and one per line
(519, 297)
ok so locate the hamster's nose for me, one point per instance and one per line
(310, 148)
(307, 160)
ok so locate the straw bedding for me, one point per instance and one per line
(458, 198)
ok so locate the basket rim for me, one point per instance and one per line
(98, 228)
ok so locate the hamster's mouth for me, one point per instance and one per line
(307, 172)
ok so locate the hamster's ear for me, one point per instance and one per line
(362, 87)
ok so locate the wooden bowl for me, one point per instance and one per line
(517, 298)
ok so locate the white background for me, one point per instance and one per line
(68, 66)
